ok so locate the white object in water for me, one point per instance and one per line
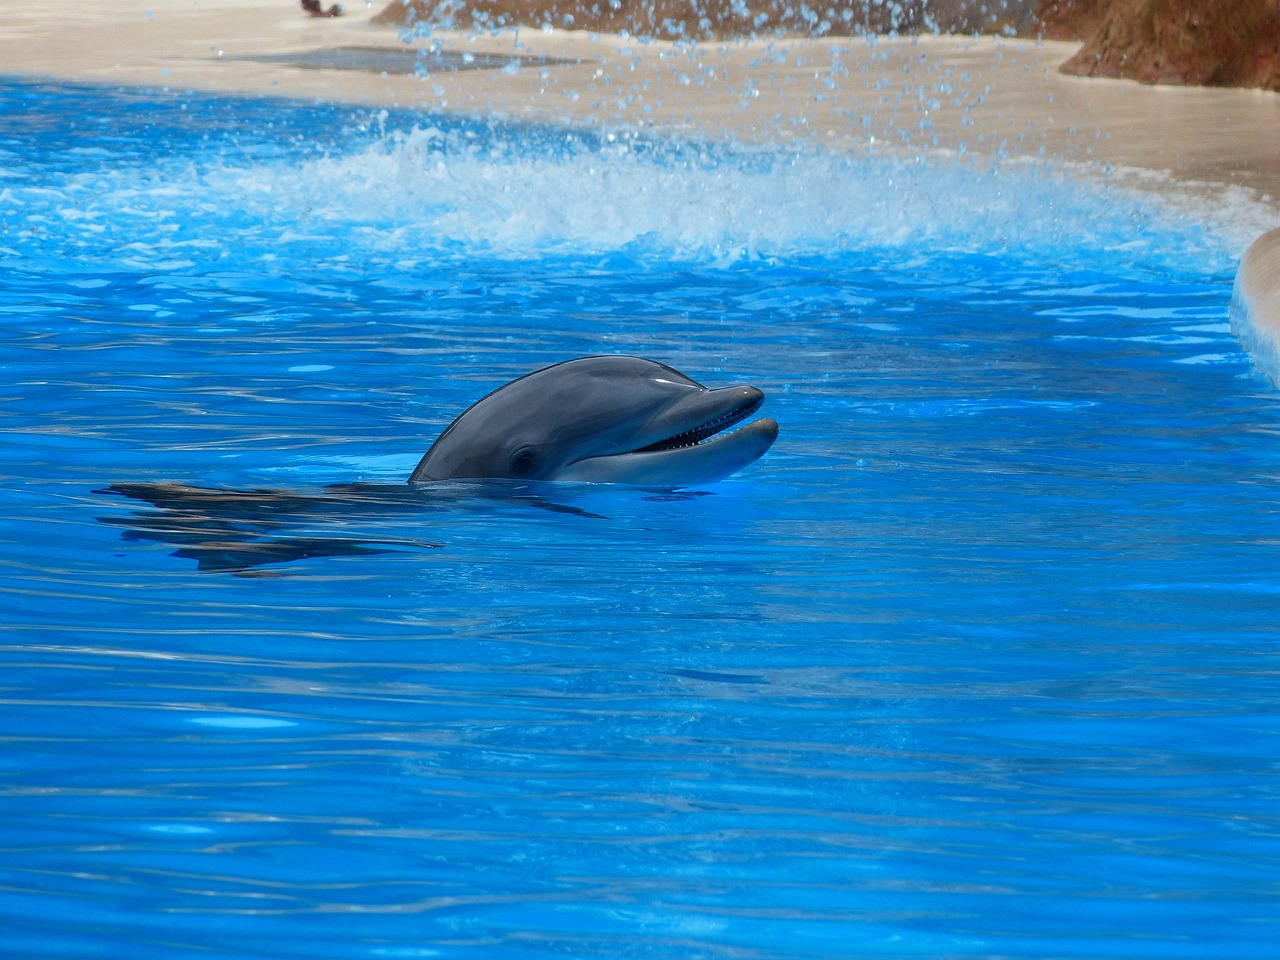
(1255, 303)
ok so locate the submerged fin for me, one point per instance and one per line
(214, 557)
(239, 531)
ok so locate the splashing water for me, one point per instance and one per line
(370, 190)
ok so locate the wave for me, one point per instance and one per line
(431, 190)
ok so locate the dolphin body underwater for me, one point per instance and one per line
(606, 419)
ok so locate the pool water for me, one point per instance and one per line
(979, 661)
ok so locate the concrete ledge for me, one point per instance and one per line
(1255, 303)
(985, 97)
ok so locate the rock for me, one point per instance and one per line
(1070, 19)
(724, 19)
(1224, 43)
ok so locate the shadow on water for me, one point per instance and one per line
(239, 531)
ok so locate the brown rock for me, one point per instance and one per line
(722, 19)
(1225, 43)
(1070, 19)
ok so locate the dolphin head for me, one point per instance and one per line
(602, 420)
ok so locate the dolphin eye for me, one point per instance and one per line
(523, 462)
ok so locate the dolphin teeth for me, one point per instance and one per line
(691, 438)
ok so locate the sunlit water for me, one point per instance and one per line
(979, 661)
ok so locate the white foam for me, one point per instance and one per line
(426, 190)
(409, 195)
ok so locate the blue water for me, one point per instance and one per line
(979, 661)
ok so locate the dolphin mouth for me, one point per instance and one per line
(695, 436)
(704, 453)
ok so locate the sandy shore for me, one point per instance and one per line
(986, 95)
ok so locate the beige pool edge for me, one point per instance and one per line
(988, 98)
(1255, 303)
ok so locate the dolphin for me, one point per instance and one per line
(607, 419)
(595, 419)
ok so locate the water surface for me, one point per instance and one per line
(979, 661)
